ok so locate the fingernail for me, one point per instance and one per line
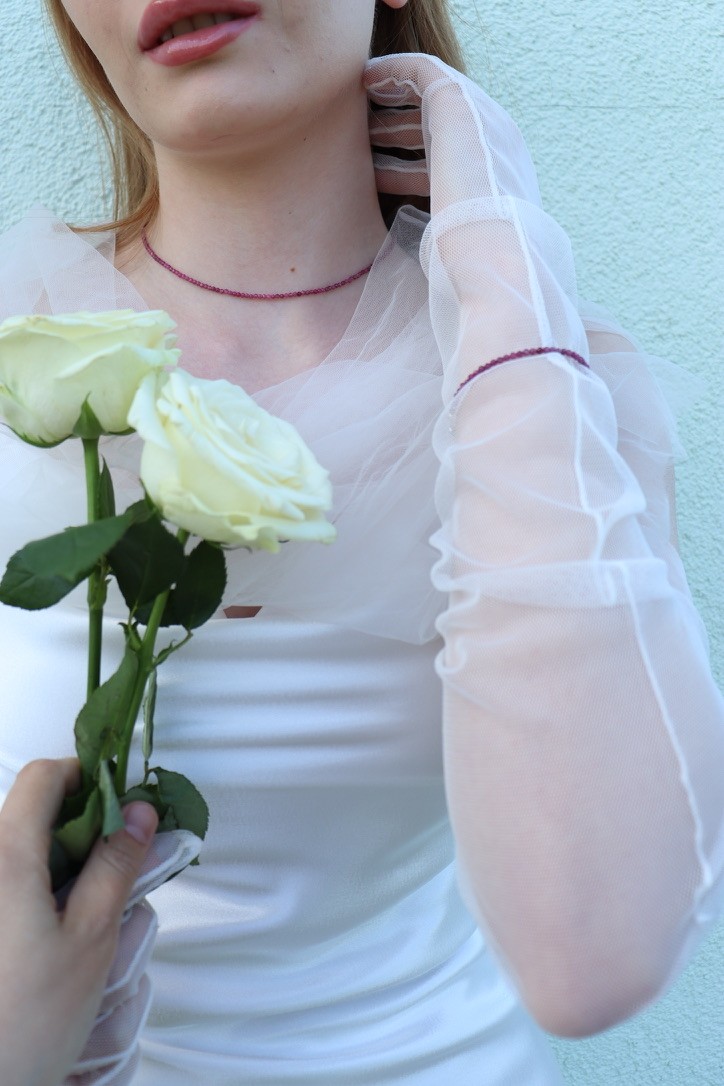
(141, 821)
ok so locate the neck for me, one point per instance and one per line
(293, 216)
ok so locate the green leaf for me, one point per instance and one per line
(146, 792)
(112, 817)
(143, 615)
(200, 588)
(142, 510)
(78, 836)
(104, 714)
(45, 571)
(88, 427)
(106, 497)
(146, 561)
(62, 867)
(73, 806)
(186, 804)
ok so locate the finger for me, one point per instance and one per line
(394, 94)
(397, 128)
(33, 802)
(399, 184)
(401, 178)
(135, 946)
(99, 897)
(401, 79)
(169, 854)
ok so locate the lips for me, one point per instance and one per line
(160, 15)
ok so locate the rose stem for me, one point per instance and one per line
(145, 667)
(96, 580)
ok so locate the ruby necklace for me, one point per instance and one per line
(243, 294)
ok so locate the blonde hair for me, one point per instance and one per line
(422, 26)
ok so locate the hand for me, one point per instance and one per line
(473, 148)
(500, 272)
(53, 966)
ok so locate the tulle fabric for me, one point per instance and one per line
(380, 390)
(367, 412)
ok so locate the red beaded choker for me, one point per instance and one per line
(242, 294)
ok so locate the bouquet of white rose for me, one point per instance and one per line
(214, 465)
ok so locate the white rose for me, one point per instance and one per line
(218, 465)
(49, 366)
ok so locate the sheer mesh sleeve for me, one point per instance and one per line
(584, 734)
(583, 730)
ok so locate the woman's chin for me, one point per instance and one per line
(221, 132)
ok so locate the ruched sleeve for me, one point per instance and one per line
(584, 733)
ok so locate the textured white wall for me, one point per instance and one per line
(49, 152)
(621, 105)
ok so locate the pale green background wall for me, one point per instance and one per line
(621, 104)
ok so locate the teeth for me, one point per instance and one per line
(197, 22)
(183, 26)
(200, 21)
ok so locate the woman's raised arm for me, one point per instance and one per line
(584, 734)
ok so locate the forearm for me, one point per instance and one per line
(582, 724)
(576, 827)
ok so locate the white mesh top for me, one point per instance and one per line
(562, 710)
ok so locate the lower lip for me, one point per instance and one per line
(199, 44)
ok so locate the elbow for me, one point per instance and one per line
(583, 968)
(583, 1019)
(588, 999)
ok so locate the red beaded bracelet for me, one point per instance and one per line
(531, 352)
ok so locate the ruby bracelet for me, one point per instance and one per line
(531, 352)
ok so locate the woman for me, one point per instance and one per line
(323, 938)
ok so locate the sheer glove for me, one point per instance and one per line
(111, 1054)
(500, 268)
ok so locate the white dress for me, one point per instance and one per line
(323, 939)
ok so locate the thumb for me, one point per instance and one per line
(101, 891)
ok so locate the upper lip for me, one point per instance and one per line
(162, 14)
